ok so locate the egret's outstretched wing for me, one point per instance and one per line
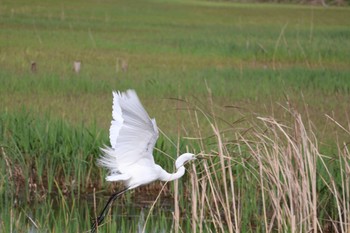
(132, 133)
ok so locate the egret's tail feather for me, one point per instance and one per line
(117, 177)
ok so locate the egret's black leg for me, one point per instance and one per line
(96, 222)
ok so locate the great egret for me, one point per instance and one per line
(129, 159)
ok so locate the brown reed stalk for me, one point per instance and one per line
(283, 160)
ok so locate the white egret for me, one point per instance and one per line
(129, 159)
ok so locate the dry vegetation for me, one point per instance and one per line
(273, 177)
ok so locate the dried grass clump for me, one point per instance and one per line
(269, 178)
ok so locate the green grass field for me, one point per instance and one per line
(206, 71)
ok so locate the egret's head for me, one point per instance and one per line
(182, 159)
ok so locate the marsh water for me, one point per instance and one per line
(133, 212)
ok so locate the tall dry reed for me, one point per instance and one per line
(268, 176)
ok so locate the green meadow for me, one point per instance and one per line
(262, 91)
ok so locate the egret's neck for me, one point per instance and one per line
(179, 164)
(165, 176)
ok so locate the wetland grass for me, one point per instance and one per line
(273, 176)
(249, 54)
(274, 129)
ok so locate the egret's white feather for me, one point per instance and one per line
(132, 133)
(129, 159)
(117, 177)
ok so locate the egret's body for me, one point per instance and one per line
(129, 159)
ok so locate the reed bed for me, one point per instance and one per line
(270, 177)
(259, 174)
